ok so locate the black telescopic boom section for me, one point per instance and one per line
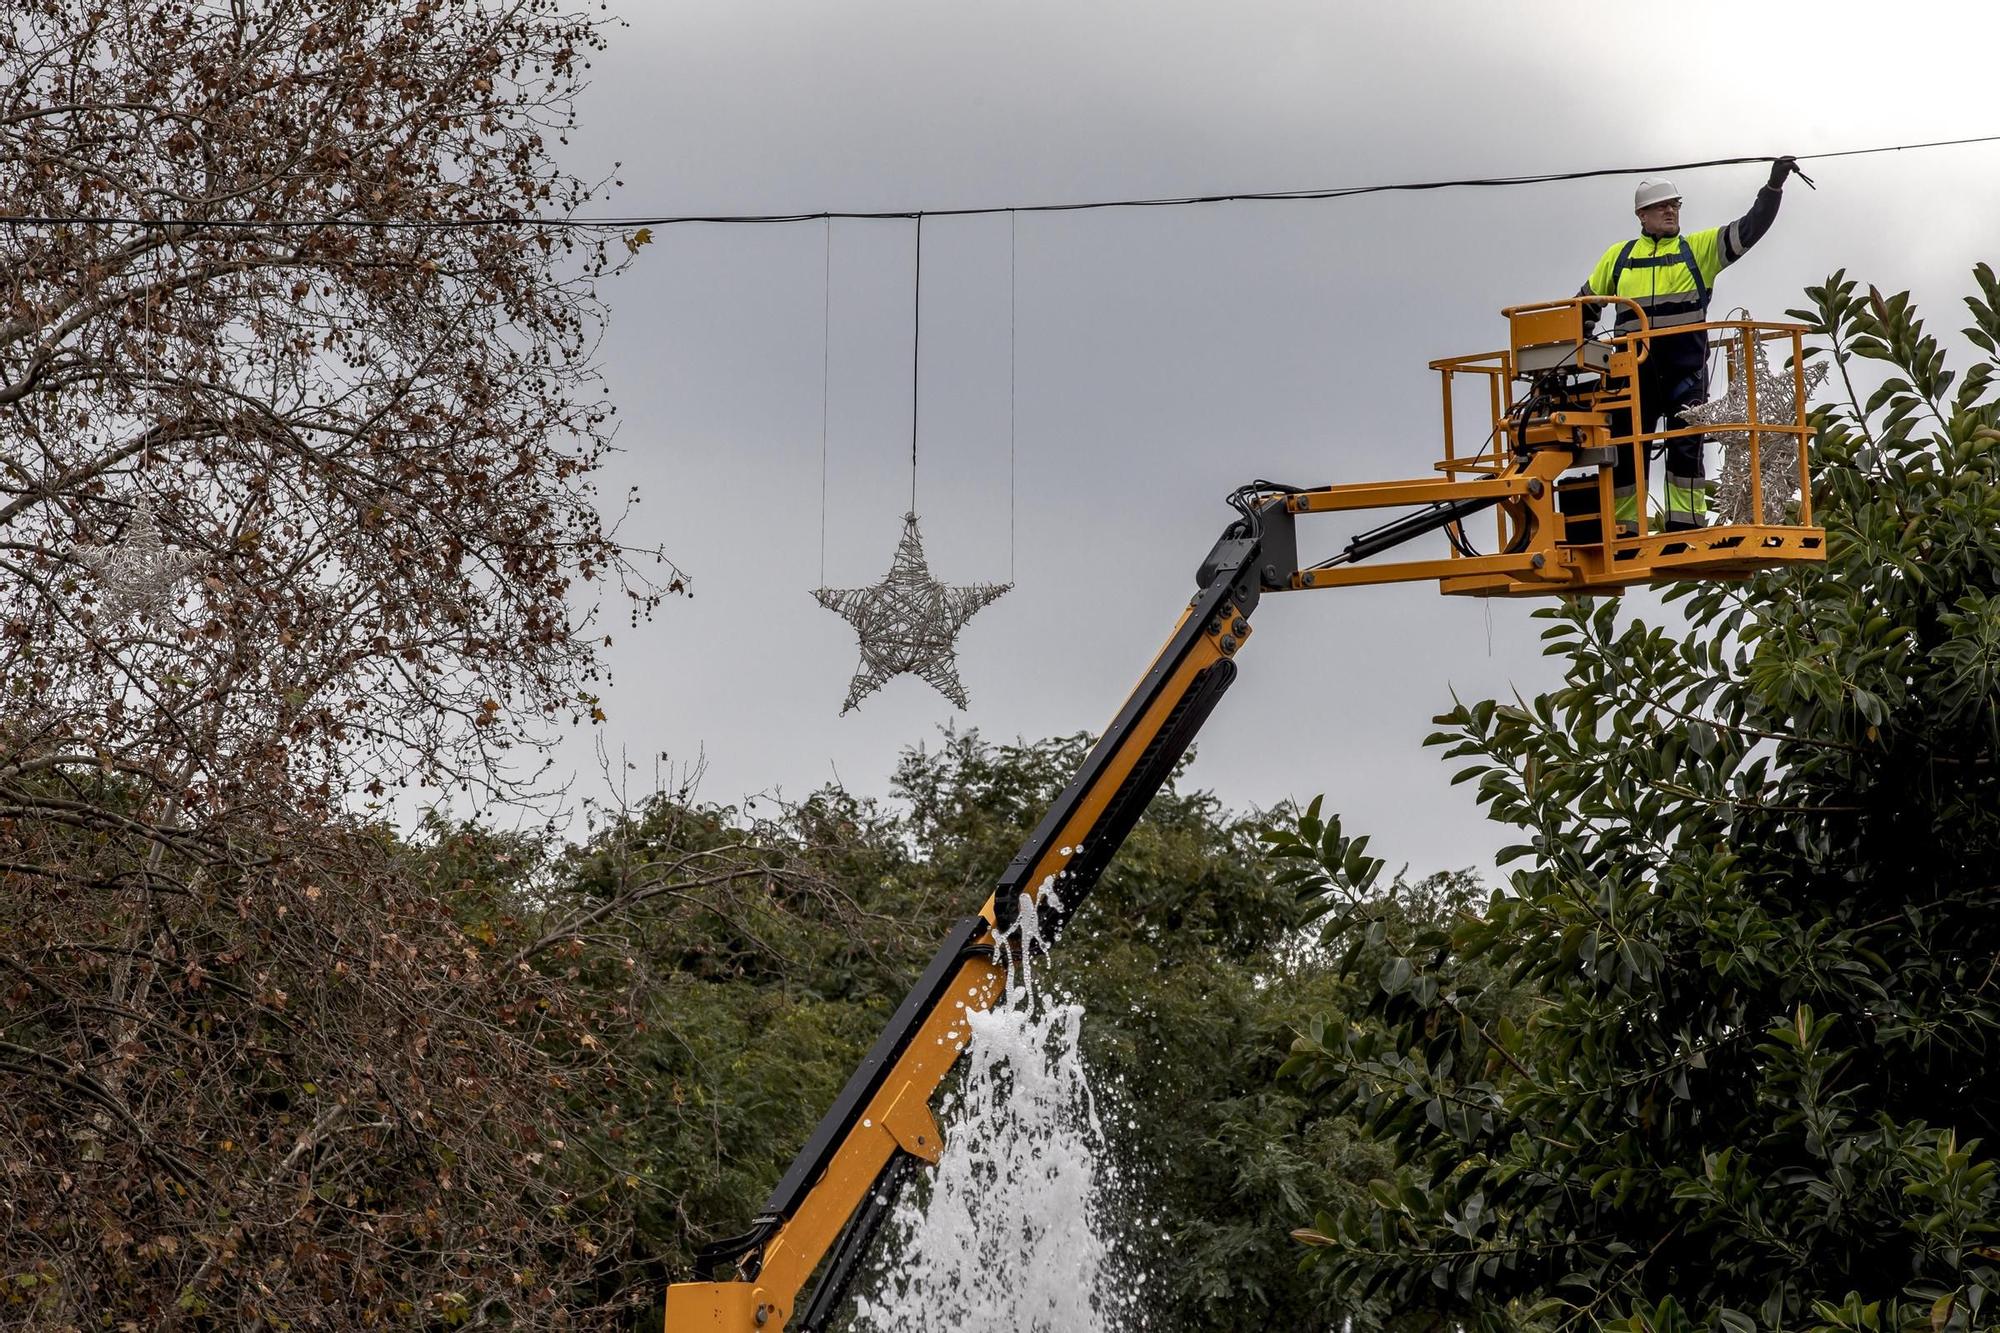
(1411, 526)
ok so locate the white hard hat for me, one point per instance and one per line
(1653, 192)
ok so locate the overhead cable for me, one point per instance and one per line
(746, 219)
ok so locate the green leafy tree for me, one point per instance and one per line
(1721, 1052)
(748, 962)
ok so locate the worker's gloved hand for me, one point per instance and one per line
(1782, 168)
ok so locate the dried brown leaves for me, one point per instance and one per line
(376, 441)
(255, 1070)
(278, 1088)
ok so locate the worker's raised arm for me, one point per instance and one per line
(1749, 229)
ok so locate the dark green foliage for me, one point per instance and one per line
(752, 1000)
(1723, 1054)
(748, 963)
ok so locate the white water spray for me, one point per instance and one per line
(1015, 1231)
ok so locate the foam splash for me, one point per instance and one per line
(1014, 1231)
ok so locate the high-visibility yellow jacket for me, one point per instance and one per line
(1671, 277)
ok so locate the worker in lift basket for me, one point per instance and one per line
(1671, 275)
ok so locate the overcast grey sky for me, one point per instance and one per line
(1163, 356)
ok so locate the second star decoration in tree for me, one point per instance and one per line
(908, 622)
(139, 573)
(1778, 455)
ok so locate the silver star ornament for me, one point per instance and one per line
(137, 574)
(908, 622)
(1778, 455)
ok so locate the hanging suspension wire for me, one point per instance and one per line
(825, 359)
(1174, 201)
(916, 354)
(1011, 219)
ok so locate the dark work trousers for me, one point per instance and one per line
(1673, 377)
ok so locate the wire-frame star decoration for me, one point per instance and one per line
(908, 622)
(1778, 455)
(137, 574)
